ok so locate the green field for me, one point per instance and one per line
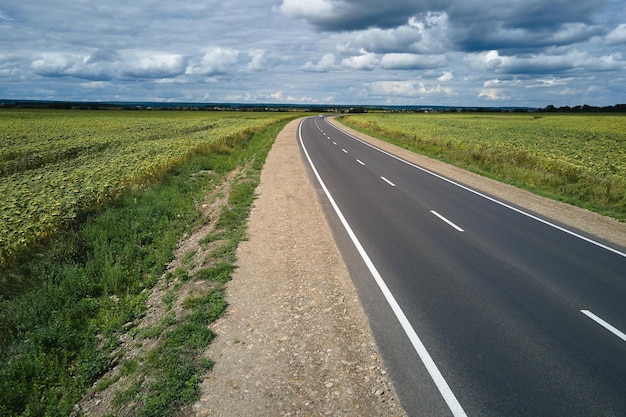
(580, 159)
(56, 164)
(94, 205)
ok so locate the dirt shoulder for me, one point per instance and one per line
(295, 339)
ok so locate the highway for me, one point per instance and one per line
(479, 308)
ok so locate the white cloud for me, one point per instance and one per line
(407, 89)
(617, 36)
(493, 94)
(215, 61)
(311, 9)
(326, 63)
(258, 60)
(406, 61)
(446, 76)
(366, 61)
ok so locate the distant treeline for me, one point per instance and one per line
(67, 105)
(618, 108)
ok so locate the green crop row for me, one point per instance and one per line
(54, 165)
(576, 158)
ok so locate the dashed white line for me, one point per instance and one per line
(335, 143)
(359, 161)
(387, 181)
(447, 221)
(344, 151)
(604, 324)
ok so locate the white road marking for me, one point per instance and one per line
(604, 324)
(344, 151)
(359, 161)
(431, 367)
(387, 181)
(447, 221)
(335, 143)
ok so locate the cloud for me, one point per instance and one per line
(367, 61)
(411, 61)
(215, 61)
(549, 63)
(471, 25)
(407, 89)
(108, 65)
(519, 52)
(325, 64)
(617, 36)
(424, 34)
(493, 94)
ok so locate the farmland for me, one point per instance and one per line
(96, 205)
(580, 159)
(55, 165)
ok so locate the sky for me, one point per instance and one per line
(402, 52)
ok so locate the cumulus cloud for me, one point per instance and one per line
(471, 25)
(411, 61)
(215, 61)
(519, 52)
(325, 64)
(366, 61)
(548, 63)
(106, 65)
(408, 89)
(617, 36)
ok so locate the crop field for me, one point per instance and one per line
(94, 205)
(580, 159)
(56, 164)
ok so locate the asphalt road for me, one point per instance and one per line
(479, 308)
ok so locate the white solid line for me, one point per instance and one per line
(447, 221)
(431, 367)
(360, 162)
(562, 229)
(387, 181)
(344, 151)
(604, 324)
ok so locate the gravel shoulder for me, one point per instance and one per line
(295, 339)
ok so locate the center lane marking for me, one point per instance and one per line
(604, 324)
(447, 221)
(359, 161)
(387, 181)
(344, 151)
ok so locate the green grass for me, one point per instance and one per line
(65, 301)
(579, 159)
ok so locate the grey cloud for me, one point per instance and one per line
(475, 25)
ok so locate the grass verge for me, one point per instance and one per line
(73, 300)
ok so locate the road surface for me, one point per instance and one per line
(479, 308)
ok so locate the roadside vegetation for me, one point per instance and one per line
(78, 294)
(576, 158)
